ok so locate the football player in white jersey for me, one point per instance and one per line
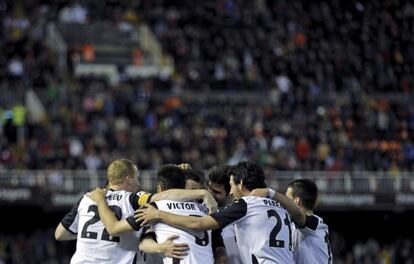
(262, 226)
(170, 176)
(311, 242)
(200, 251)
(310, 234)
(218, 185)
(195, 179)
(95, 243)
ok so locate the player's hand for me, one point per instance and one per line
(210, 202)
(184, 166)
(147, 215)
(172, 250)
(97, 195)
(262, 192)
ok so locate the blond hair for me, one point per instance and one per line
(119, 169)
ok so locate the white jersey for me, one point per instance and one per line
(311, 243)
(94, 244)
(230, 242)
(199, 242)
(263, 230)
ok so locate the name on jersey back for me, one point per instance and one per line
(184, 206)
(270, 202)
(114, 196)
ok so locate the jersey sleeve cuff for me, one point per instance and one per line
(132, 223)
(150, 234)
(67, 227)
(230, 214)
(311, 222)
(222, 222)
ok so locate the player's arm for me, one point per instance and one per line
(297, 215)
(111, 223)
(68, 227)
(61, 233)
(167, 248)
(187, 195)
(226, 216)
(152, 215)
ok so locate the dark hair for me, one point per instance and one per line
(306, 190)
(221, 175)
(195, 175)
(252, 175)
(171, 176)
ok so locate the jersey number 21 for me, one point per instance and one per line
(273, 242)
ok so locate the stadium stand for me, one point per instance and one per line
(336, 100)
(291, 85)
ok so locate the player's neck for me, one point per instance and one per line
(115, 187)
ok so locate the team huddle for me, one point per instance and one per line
(234, 219)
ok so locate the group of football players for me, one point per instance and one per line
(232, 217)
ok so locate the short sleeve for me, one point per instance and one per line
(311, 224)
(148, 232)
(131, 219)
(138, 199)
(71, 220)
(231, 213)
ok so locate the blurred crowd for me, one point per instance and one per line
(37, 247)
(355, 53)
(40, 247)
(302, 47)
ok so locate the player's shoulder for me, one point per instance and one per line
(321, 223)
(251, 199)
(254, 201)
(140, 193)
(84, 201)
(124, 193)
(237, 204)
(315, 222)
(127, 193)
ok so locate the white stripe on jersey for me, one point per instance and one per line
(94, 245)
(229, 239)
(311, 243)
(199, 243)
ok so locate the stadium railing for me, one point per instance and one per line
(327, 181)
(364, 189)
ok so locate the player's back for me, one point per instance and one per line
(311, 243)
(264, 232)
(199, 242)
(94, 244)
